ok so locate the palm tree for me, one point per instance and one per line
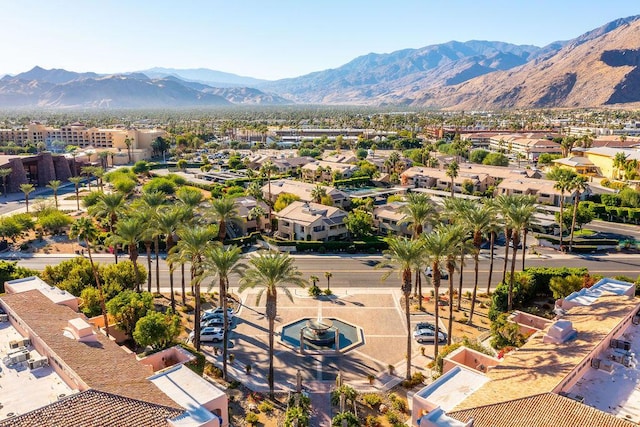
(4, 173)
(314, 280)
(458, 246)
(619, 162)
(563, 178)
(76, 180)
(452, 172)
(502, 203)
(54, 185)
(151, 202)
(108, 207)
(127, 142)
(403, 254)
(476, 218)
(189, 197)
(328, 276)
(98, 173)
(271, 271)
(193, 243)
(266, 170)
(223, 210)
(418, 212)
(222, 263)
(518, 215)
(528, 221)
(257, 213)
(318, 193)
(129, 233)
(27, 189)
(436, 247)
(85, 229)
(493, 228)
(168, 222)
(579, 184)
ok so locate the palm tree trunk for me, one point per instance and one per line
(476, 266)
(115, 252)
(460, 281)
(491, 248)
(524, 245)
(436, 288)
(573, 220)
(506, 253)
(513, 270)
(173, 297)
(225, 346)
(103, 308)
(450, 325)
(156, 245)
(184, 300)
(406, 290)
(196, 318)
(271, 316)
(134, 259)
(561, 220)
(415, 288)
(77, 197)
(419, 290)
(147, 245)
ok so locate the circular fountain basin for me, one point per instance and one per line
(319, 335)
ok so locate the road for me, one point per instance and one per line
(359, 271)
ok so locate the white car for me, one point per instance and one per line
(218, 311)
(215, 322)
(209, 334)
(427, 333)
(444, 274)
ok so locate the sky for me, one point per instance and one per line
(271, 39)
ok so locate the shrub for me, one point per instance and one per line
(314, 291)
(392, 417)
(349, 417)
(372, 421)
(266, 407)
(372, 399)
(251, 418)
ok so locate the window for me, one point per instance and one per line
(318, 228)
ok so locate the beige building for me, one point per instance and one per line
(303, 190)
(542, 189)
(249, 225)
(114, 140)
(311, 221)
(529, 146)
(323, 171)
(388, 219)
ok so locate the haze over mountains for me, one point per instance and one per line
(596, 69)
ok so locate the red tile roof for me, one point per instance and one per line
(101, 365)
(95, 408)
(542, 410)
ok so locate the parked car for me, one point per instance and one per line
(209, 334)
(444, 274)
(216, 322)
(218, 310)
(425, 332)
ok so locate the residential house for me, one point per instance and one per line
(542, 189)
(311, 221)
(572, 372)
(529, 147)
(249, 225)
(389, 219)
(342, 157)
(322, 171)
(304, 191)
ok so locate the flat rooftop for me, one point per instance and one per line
(56, 295)
(453, 387)
(587, 296)
(618, 392)
(538, 367)
(42, 386)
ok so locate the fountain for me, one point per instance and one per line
(319, 332)
(321, 335)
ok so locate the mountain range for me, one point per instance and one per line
(598, 68)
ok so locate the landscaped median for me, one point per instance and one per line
(373, 244)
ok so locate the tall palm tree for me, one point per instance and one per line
(436, 249)
(503, 203)
(455, 209)
(579, 184)
(403, 254)
(476, 218)
(458, 246)
(619, 162)
(419, 212)
(529, 220)
(493, 228)
(518, 215)
(257, 213)
(193, 243)
(267, 169)
(76, 180)
(563, 178)
(318, 193)
(129, 233)
(452, 172)
(54, 185)
(270, 271)
(151, 202)
(189, 197)
(328, 275)
(4, 173)
(85, 229)
(223, 210)
(27, 189)
(108, 207)
(168, 222)
(220, 262)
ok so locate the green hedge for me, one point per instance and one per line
(578, 241)
(352, 182)
(241, 241)
(373, 243)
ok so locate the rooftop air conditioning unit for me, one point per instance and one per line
(38, 363)
(22, 342)
(18, 357)
(4, 318)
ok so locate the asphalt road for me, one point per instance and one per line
(360, 271)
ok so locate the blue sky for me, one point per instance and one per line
(271, 39)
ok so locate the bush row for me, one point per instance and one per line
(373, 244)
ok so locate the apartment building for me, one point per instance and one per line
(324, 171)
(542, 189)
(528, 146)
(303, 190)
(311, 221)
